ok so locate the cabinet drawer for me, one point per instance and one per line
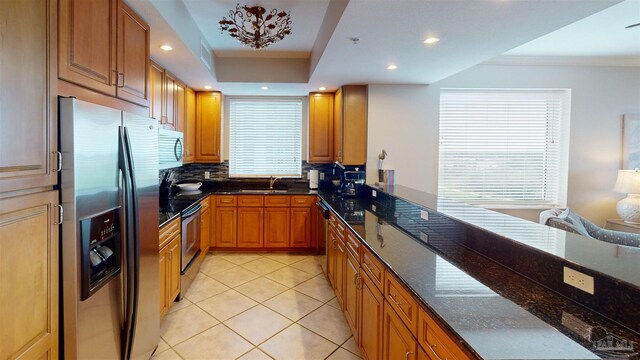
(226, 200)
(250, 201)
(435, 340)
(353, 245)
(205, 204)
(402, 302)
(373, 267)
(337, 225)
(168, 231)
(276, 201)
(302, 200)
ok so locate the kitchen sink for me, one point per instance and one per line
(263, 191)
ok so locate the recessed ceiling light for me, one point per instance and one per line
(322, 88)
(431, 40)
(166, 47)
(265, 88)
(392, 67)
(208, 87)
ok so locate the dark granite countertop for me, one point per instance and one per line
(496, 312)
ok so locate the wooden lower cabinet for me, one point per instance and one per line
(340, 255)
(29, 276)
(300, 227)
(205, 232)
(169, 274)
(351, 294)
(422, 355)
(226, 227)
(397, 341)
(371, 310)
(276, 227)
(250, 227)
(332, 244)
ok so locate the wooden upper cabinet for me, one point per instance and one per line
(29, 254)
(156, 75)
(87, 43)
(28, 103)
(208, 127)
(168, 102)
(180, 105)
(321, 128)
(132, 57)
(350, 125)
(189, 127)
(337, 126)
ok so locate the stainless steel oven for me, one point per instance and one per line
(323, 232)
(189, 261)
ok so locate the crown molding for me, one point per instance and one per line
(565, 60)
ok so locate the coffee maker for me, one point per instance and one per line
(352, 183)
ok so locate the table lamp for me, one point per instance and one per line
(629, 183)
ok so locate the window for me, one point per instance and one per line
(502, 148)
(265, 136)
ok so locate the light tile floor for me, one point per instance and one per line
(257, 306)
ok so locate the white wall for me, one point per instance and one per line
(404, 120)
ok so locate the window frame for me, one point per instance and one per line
(563, 151)
(227, 132)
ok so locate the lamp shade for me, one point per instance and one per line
(628, 182)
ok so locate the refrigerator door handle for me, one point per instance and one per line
(132, 273)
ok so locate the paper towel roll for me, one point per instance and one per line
(313, 179)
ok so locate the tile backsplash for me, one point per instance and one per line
(220, 172)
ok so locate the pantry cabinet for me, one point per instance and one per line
(320, 128)
(28, 104)
(104, 46)
(208, 126)
(29, 251)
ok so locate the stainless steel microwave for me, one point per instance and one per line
(170, 148)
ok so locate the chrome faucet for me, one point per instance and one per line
(272, 180)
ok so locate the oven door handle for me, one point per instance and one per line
(191, 212)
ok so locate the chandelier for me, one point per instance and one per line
(256, 28)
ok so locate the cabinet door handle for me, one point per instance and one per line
(406, 356)
(393, 297)
(433, 351)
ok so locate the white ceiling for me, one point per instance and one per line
(307, 17)
(390, 31)
(601, 34)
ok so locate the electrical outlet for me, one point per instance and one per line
(424, 237)
(424, 215)
(374, 193)
(321, 176)
(373, 207)
(207, 175)
(578, 280)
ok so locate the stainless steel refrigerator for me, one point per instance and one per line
(109, 193)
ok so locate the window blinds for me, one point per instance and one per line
(501, 147)
(265, 137)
